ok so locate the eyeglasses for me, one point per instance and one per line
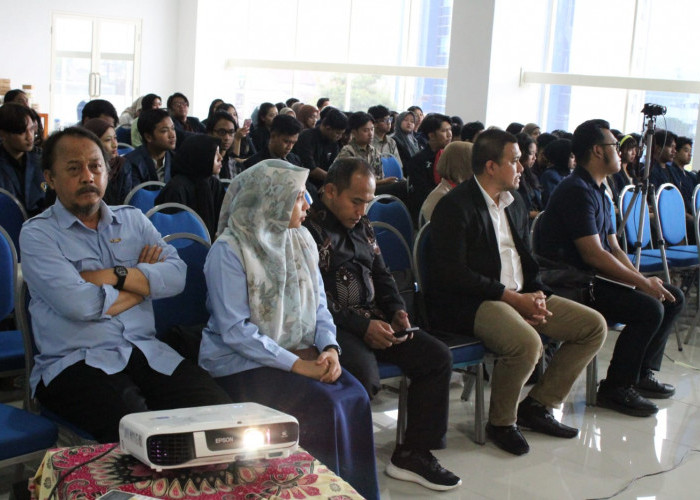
(388, 119)
(616, 144)
(221, 132)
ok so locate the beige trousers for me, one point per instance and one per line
(518, 347)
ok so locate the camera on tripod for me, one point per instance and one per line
(653, 109)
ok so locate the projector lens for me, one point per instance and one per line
(253, 438)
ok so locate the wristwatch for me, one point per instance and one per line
(336, 347)
(121, 273)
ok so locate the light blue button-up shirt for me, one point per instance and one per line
(230, 342)
(69, 317)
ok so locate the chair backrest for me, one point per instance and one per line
(533, 234)
(389, 209)
(12, 215)
(696, 201)
(123, 133)
(144, 195)
(188, 308)
(8, 274)
(421, 257)
(391, 167)
(123, 148)
(632, 223)
(671, 210)
(225, 182)
(395, 250)
(182, 219)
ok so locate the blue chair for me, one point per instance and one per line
(467, 352)
(70, 432)
(188, 308)
(123, 148)
(24, 436)
(144, 195)
(395, 250)
(391, 167)
(651, 261)
(123, 134)
(12, 216)
(11, 344)
(671, 210)
(182, 220)
(389, 209)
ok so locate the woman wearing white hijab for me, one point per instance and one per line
(270, 338)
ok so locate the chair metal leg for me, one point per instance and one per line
(403, 409)
(468, 379)
(479, 410)
(592, 382)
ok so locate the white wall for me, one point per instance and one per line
(25, 35)
(490, 41)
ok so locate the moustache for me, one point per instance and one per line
(88, 189)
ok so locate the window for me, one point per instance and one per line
(357, 52)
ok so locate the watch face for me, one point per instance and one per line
(120, 271)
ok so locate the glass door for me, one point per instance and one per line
(92, 58)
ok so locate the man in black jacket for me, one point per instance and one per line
(371, 320)
(486, 282)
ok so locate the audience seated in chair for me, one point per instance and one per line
(119, 181)
(20, 170)
(149, 101)
(420, 169)
(260, 135)
(368, 310)
(454, 167)
(92, 271)
(577, 229)
(152, 160)
(382, 142)
(405, 138)
(179, 106)
(559, 154)
(271, 338)
(194, 183)
(530, 188)
(487, 283)
(318, 147)
(222, 126)
(99, 108)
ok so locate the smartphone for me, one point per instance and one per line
(247, 122)
(403, 333)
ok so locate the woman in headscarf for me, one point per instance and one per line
(194, 182)
(454, 167)
(404, 135)
(308, 116)
(119, 181)
(270, 338)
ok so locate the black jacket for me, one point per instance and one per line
(466, 265)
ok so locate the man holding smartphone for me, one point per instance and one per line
(372, 323)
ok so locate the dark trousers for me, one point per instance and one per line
(95, 402)
(640, 346)
(335, 420)
(428, 364)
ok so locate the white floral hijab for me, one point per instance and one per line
(281, 263)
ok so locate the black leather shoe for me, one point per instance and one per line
(625, 400)
(649, 387)
(535, 416)
(508, 438)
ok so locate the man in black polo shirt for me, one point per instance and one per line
(318, 147)
(284, 133)
(577, 229)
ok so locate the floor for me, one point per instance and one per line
(615, 456)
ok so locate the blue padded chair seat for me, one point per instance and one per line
(388, 370)
(681, 258)
(11, 350)
(651, 262)
(23, 432)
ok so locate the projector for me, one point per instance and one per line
(188, 437)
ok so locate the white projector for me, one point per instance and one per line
(188, 437)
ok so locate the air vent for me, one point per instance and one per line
(170, 449)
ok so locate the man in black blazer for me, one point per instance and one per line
(486, 283)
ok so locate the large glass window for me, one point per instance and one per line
(357, 52)
(642, 39)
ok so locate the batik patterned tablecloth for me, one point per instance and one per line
(297, 477)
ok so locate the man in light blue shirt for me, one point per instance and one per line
(92, 272)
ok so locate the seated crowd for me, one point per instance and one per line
(301, 304)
